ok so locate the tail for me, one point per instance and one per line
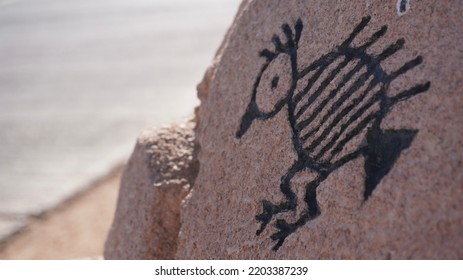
(384, 148)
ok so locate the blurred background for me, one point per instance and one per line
(79, 80)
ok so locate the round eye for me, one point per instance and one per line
(275, 82)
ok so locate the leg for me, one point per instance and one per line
(289, 204)
(313, 211)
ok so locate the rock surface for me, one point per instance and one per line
(327, 130)
(158, 176)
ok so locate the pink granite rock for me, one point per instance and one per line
(331, 129)
(158, 176)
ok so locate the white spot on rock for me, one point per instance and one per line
(403, 6)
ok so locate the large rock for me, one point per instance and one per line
(158, 176)
(331, 129)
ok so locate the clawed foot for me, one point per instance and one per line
(269, 210)
(284, 229)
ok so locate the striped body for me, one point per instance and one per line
(335, 107)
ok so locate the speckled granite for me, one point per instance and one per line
(158, 176)
(332, 129)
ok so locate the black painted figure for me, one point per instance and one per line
(327, 120)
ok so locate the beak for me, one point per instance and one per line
(249, 116)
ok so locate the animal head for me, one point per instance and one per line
(275, 79)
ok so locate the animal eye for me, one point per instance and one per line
(275, 82)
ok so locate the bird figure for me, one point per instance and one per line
(340, 99)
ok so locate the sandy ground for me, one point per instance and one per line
(77, 229)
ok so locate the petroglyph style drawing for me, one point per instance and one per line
(335, 107)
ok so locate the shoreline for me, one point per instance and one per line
(75, 229)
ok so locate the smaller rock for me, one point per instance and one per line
(158, 176)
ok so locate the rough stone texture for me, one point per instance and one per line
(158, 176)
(414, 209)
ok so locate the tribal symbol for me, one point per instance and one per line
(332, 103)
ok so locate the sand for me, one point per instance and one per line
(77, 229)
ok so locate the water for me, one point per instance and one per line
(80, 79)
